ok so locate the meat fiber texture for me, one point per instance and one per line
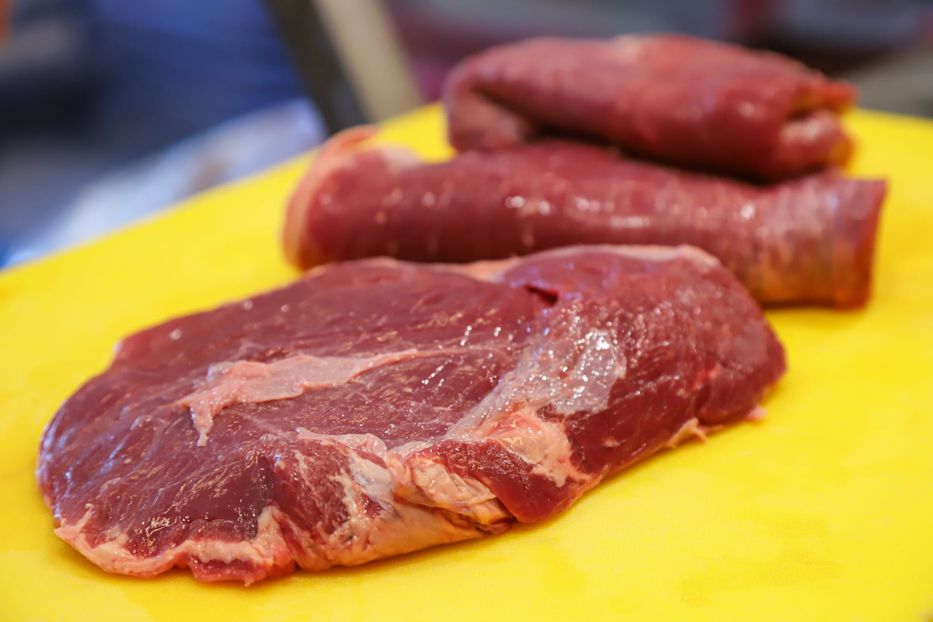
(672, 98)
(810, 240)
(376, 407)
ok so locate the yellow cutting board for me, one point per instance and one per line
(822, 511)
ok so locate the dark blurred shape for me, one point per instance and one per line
(349, 57)
(317, 61)
(45, 62)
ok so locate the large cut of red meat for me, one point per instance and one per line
(377, 407)
(809, 240)
(676, 99)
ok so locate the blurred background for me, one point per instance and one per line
(112, 110)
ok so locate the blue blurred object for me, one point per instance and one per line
(90, 85)
(174, 67)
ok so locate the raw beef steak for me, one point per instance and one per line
(376, 407)
(809, 240)
(674, 98)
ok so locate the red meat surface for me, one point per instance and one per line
(675, 99)
(377, 407)
(810, 240)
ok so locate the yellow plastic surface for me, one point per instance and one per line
(822, 511)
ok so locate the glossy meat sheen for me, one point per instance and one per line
(376, 407)
(809, 240)
(676, 99)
